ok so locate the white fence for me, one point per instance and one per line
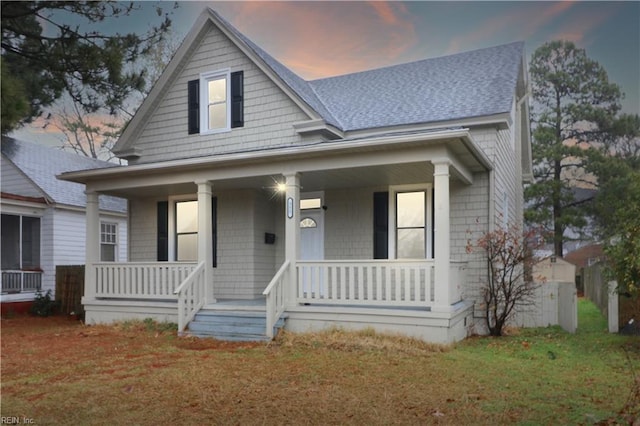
(139, 280)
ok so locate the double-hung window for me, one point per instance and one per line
(412, 211)
(108, 241)
(214, 100)
(186, 231)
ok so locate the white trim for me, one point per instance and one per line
(205, 78)
(23, 208)
(172, 221)
(198, 163)
(393, 191)
(115, 244)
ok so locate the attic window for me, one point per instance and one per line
(216, 102)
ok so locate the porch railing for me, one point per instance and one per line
(21, 281)
(276, 294)
(139, 280)
(366, 282)
(191, 296)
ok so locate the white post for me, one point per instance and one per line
(442, 249)
(205, 239)
(92, 239)
(612, 307)
(292, 231)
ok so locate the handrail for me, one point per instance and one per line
(275, 294)
(191, 296)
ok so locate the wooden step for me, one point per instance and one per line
(232, 325)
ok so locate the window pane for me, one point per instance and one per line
(307, 222)
(108, 233)
(30, 242)
(186, 217)
(187, 247)
(410, 209)
(411, 244)
(217, 90)
(311, 203)
(107, 253)
(217, 116)
(10, 228)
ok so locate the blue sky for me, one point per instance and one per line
(320, 39)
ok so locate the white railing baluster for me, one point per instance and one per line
(275, 295)
(190, 294)
(370, 282)
(140, 280)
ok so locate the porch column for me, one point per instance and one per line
(292, 231)
(205, 243)
(92, 240)
(442, 249)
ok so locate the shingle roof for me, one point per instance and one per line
(42, 164)
(464, 85)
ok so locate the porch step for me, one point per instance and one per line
(232, 325)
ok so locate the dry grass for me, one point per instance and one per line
(60, 372)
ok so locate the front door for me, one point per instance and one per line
(312, 243)
(312, 234)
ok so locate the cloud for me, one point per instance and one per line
(581, 25)
(519, 21)
(320, 39)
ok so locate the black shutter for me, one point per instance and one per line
(380, 225)
(163, 231)
(193, 101)
(237, 99)
(214, 229)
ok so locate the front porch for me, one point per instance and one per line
(386, 295)
(353, 234)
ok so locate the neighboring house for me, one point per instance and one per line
(347, 200)
(43, 219)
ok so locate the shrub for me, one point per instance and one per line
(509, 282)
(43, 304)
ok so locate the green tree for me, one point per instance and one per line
(76, 59)
(616, 208)
(93, 134)
(574, 103)
(15, 104)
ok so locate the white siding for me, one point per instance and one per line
(143, 219)
(268, 112)
(13, 181)
(470, 206)
(48, 250)
(349, 223)
(69, 232)
(265, 212)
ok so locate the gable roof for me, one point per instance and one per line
(470, 84)
(41, 165)
(479, 83)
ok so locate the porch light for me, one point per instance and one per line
(281, 187)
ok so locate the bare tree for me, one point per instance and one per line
(509, 283)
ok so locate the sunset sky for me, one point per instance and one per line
(320, 39)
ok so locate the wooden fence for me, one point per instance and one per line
(70, 288)
(596, 289)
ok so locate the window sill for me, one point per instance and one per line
(215, 132)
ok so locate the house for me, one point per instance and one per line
(343, 201)
(43, 219)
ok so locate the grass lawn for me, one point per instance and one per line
(56, 371)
